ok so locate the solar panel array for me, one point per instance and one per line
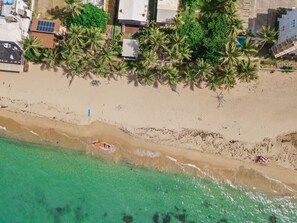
(45, 26)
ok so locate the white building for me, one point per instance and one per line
(166, 11)
(130, 49)
(287, 35)
(15, 22)
(11, 57)
(133, 12)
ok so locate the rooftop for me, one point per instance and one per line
(11, 31)
(45, 30)
(130, 48)
(45, 26)
(10, 53)
(168, 4)
(15, 20)
(166, 10)
(136, 10)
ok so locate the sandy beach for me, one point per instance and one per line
(183, 126)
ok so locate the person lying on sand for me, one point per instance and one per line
(261, 160)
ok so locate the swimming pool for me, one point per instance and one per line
(8, 2)
(240, 41)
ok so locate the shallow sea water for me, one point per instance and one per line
(43, 184)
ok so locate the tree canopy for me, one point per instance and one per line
(90, 16)
(216, 27)
(192, 30)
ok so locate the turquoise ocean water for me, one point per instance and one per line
(40, 184)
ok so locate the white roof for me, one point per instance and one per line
(21, 5)
(10, 31)
(14, 31)
(168, 4)
(130, 48)
(133, 10)
(166, 10)
(287, 26)
(15, 27)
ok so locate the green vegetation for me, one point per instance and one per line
(215, 26)
(86, 16)
(268, 35)
(269, 61)
(287, 68)
(84, 51)
(197, 49)
(33, 49)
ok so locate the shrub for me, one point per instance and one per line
(287, 68)
(269, 62)
(31, 56)
(91, 16)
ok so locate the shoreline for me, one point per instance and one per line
(134, 150)
(183, 130)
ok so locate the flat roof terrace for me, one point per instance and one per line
(10, 53)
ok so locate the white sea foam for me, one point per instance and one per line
(196, 167)
(3, 128)
(279, 182)
(171, 158)
(145, 153)
(34, 133)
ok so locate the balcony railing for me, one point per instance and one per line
(285, 47)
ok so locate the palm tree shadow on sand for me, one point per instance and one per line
(57, 13)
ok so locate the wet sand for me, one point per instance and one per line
(182, 130)
(138, 151)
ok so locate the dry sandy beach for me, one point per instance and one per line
(253, 119)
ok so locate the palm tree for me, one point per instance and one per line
(120, 68)
(267, 35)
(177, 22)
(228, 76)
(107, 56)
(248, 48)
(50, 58)
(85, 60)
(157, 40)
(170, 74)
(231, 54)
(32, 44)
(73, 66)
(230, 10)
(179, 49)
(213, 82)
(74, 7)
(236, 26)
(95, 39)
(247, 71)
(148, 58)
(203, 69)
(68, 51)
(190, 77)
(76, 36)
(146, 76)
(98, 68)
